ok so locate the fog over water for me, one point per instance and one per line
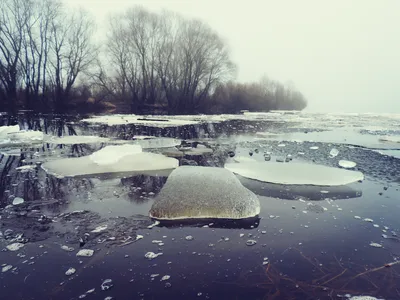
(341, 55)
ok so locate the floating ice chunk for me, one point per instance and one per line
(15, 246)
(368, 220)
(240, 159)
(99, 228)
(204, 192)
(6, 268)
(5, 130)
(154, 121)
(85, 253)
(156, 143)
(334, 152)
(26, 135)
(106, 285)
(112, 154)
(165, 277)
(347, 164)
(66, 248)
(189, 238)
(70, 271)
(18, 201)
(295, 173)
(76, 139)
(251, 242)
(26, 168)
(152, 255)
(139, 162)
(153, 225)
(376, 245)
(357, 217)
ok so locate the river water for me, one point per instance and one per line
(311, 242)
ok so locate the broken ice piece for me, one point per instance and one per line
(368, 220)
(85, 253)
(153, 225)
(251, 242)
(66, 248)
(357, 217)
(17, 201)
(152, 255)
(6, 268)
(376, 245)
(70, 271)
(15, 246)
(99, 228)
(165, 277)
(106, 285)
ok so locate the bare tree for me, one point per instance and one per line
(72, 53)
(14, 15)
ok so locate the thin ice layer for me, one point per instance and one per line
(295, 173)
(140, 162)
(5, 130)
(76, 139)
(153, 121)
(112, 154)
(193, 192)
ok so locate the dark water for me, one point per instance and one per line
(316, 251)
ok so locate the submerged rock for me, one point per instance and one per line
(204, 192)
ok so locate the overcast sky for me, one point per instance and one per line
(343, 55)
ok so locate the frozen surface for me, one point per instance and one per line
(137, 162)
(156, 143)
(5, 130)
(295, 173)
(184, 196)
(76, 139)
(393, 139)
(12, 136)
(347, 164)
(153, 121)
(112, 154)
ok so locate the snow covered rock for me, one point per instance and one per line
(294, 173)
(193, 192)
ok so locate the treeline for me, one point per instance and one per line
(150, 62)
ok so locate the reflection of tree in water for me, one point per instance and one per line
(322, 279)
(141, 185)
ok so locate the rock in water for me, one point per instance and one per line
(204, 192)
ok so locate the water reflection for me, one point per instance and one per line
(249, 223)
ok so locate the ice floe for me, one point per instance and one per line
(12, 136)
(75, 139)
(204, 192)
(347, 164)
(152, 121)
(295, 173)
(85, 253)
(111, 159)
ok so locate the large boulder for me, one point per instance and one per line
(193, 192)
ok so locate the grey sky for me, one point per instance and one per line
(344, 55)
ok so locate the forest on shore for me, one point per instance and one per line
(149, 63)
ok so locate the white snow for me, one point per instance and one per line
(111, 160)
(112, 154)
(156, 143)
(25, 168)
(6, 268)
(364, 298)
(347, 164)
(152, 121)
(85, 253)
(204, 192)
(295, 173)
